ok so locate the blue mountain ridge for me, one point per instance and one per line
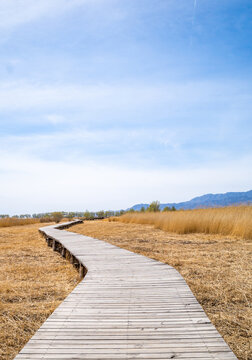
(207, 200)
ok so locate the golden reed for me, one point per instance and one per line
(231, 220)
(6, 222)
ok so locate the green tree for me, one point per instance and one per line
(167, 208)
(142, 209)
(109, 213)
(101, 214)
(173, 208)
(91, 216)
(57, 216)
(87, 215)
(154, 206)
(131, 211)
(70, 216)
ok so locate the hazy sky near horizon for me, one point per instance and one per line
(108, 103)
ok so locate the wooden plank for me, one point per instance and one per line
(127, 307)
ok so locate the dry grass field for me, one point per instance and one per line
(33, 282)
(217, 268)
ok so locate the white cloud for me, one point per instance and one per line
(162, 136)
(120, 145)
(33, 185)
(54, 119)
(104, 101)
(18, 12)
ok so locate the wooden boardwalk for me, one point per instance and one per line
(127, 307)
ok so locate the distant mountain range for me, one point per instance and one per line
(208, 200)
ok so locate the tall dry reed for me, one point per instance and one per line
(233, 220)
(6, 222)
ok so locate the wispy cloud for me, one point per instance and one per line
(54, 119)
(194, 11)
(120, 101)
(117, 146)
(14, 13)
(175, 123)
(94, 186)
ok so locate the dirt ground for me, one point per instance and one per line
(34, 280)
(217, 268)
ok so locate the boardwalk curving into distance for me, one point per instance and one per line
(127, 307)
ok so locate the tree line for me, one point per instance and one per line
(57, 216)
(153, 207)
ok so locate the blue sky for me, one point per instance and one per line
(107, 103)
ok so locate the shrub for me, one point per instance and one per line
(57, 216)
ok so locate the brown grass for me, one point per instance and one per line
(234, 221)
(7, 222)
(33, 282)
(217, 268)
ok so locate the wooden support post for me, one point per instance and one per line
(81, 271)
(63, 252)
(54, 245)
(71, 259)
